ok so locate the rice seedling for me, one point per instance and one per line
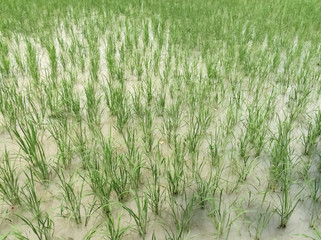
(91, 233)
(146, 124)
(281, 171)
(117, 103)
(93, 105)
(30, 198)
(32, 63)
(9, 186)
(315, 194)
(204, 188)
(101, 187)
(175, 169)
(60, 132)
(288, 203)
(264, 216)
(154, 192)
(115, 231)
(280, 156)
(171, 121)
(309, 139)
(34, 152)
(141, 216)
(72, 198)
(222, 217)
(244, 164)
(120, 180)
(43, 228)
(317, 235)
(182, 213)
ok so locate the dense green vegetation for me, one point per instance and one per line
(160, 119)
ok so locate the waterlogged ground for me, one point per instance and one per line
(119, 131)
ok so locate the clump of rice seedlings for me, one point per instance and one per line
(30, 198)
(32, 64)
(244, 164)
(317, 235)
(315, 194)
(281, 173)
(59, 131)
(205, 188)
(139, 66)
(154, 192)
(43, 227)
(72, 198)
(215, 146)
(92, 106)
(149, 90)
(263, 218)
(114, 230)
(120, 179)
(255, 127)
(298, 99)
(182, 213)
(138, 107)
(117, 103)
(280, 155)
(12, 104)
(101, 190)
(70, 100)
(98, 178)
(313, 131)
(9, 187)
(94, 63)
(51, 49)
(198, 126)
(90, 209)
(146, 124)
(36, 114)
(288, 203)
(171, 121)
(141, 215)
(175, 169)
(41, 224)
(160, 105)
(27, 138)
(221, 216)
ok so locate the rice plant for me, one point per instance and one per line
(33, 150)
(115, 231)
(182, 213)
(9, 186)
(72, 199)
(141, 215)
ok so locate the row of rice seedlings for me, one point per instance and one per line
(129, 176)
